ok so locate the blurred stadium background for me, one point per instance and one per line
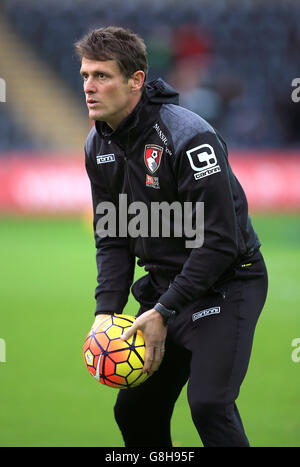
(233, 63)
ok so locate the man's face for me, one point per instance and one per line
(108, 94)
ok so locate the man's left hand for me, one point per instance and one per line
(152, 325)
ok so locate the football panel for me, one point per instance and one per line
(95, 347)
(140, 379)
(86, 344)
(117, 345)
(119, 381)
(108, 368)
(114, 332)
(123, 369)
(88, 358)
(139, 340)
(102, 340)
(133, 376)
(123, 320)
(137, 357)
(120, 356)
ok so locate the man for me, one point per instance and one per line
(198, 305)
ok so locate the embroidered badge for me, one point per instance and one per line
(152, 157)
(152, 181)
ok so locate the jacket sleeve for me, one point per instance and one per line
(202, 173)
(115, 263)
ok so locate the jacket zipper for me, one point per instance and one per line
(127, 175)
(132, 198)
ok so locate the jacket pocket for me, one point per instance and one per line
(144, 292)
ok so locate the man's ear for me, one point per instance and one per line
(136, 80)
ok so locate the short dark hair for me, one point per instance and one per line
(127, 48)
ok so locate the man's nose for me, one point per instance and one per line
(89, 86)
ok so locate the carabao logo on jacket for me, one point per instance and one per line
(203, 161)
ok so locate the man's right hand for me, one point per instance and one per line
(99, 319)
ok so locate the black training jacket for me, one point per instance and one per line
(189, 164)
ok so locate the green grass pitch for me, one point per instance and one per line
(47, 397)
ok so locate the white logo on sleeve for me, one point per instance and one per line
(203, 161)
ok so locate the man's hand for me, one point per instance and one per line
(99, 319)
(154, 330)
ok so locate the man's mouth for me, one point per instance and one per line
(91, 102)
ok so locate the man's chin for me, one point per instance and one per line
(93, 115)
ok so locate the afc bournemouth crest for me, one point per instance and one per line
(152, 157)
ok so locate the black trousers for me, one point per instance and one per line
(209, 346)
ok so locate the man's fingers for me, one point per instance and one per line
(149, 355)
(151, 324)
(153, 359)
(129, 332)
(158, 356)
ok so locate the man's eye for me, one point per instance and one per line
(101, 75)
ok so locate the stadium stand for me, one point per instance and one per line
(42, 104)
(13, 135)
(232, 61)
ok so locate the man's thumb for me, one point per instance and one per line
(128, 333)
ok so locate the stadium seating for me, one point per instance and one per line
(245, 73)
(13, 136)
